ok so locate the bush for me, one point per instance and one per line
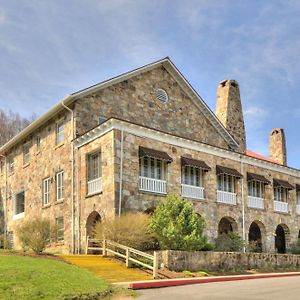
(4, 242)
(229, 242)
(295, 247)
(177, 226)
(35, 234)
(131, 229)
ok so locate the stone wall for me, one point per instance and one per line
(134, 100)
(213, 261)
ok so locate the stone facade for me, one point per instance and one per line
(134, 117)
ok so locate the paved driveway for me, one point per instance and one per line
(284, 288)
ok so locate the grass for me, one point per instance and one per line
(24, 277)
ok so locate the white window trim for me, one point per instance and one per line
(61, 229)
(26, 156)
(46, 192)
(21, 214)
(59, 189)
(152, 168)
(281, 194)
(190, 175)
(226, 183)
(256, 189)
(59, 134)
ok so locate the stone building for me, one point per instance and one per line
(124, 144)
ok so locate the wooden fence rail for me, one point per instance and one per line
(130, 255)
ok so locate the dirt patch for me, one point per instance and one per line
(34, 255)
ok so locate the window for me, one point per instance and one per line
(256, 189)
(281, 194)
(59, 133)
(46, 191)
(192, 176)
(298, 197)
(94, 166)
(60, 185)
(226, 183)
(2, 166)
(59, 222)
(101, 120)
(38, 142)
(152, 168)
(11, 166)
(26, 154)
(19, 203)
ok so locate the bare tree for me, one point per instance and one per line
(11, 124)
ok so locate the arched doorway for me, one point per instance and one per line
(281, 236)
(255, 236)
(226, 225)
(91, 222)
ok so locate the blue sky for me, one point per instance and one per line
(49, 49)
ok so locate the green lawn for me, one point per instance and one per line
(24, 277)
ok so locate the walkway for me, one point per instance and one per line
(108, 269)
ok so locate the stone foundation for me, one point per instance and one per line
(212, 261)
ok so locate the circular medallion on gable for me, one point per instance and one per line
(162, 95)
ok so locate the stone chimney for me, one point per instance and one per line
(277, 146)
(229, 111)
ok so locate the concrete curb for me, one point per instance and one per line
(185, 281)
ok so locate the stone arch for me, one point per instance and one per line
(226, 225)
(93, 218)
(257, 236)
(282, 236)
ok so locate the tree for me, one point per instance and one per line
(11, 124)
(177, 226)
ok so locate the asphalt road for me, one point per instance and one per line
(284, 288)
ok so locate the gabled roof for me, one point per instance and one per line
(167, 64)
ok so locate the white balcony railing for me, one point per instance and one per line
(191, 191)
(280, 206)
(153, 185)
(255, 202)
(226, 197)
(298, 209)
(94, 186)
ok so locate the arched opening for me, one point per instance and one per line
(149, 211)
(227, 225)
(255, 236)
(91, 222)
(281, 237)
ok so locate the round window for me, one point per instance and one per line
(162, 95)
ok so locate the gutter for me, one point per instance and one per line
(121, 174)
(72, 173)
(5, 200)
(243, 206)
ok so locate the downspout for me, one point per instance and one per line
(5, 200)
(243, 206)
(72, 174)
(121, 173)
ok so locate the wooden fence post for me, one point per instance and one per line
(104, 252)
(87, 245)
(127, 258)
(155, 265)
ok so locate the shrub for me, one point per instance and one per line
(4, 242)
(295, 247)
(177, 226)
(229, 242)
(131, 229)
(35, 234)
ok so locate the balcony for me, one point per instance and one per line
(298, 209)
(282, 207)
(152, 185)
(94, 186)
(191, 191)
(255, 202)
(226, 197)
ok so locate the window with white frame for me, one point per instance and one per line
(59, 185)
(226, 183)
(94, 166)
(26, 154)
(19, 203)
(152, 168)
(46, 191)
(11, 166)
(59, 133)
(281, 194)
(59, 222)
(192, 176)
(256, 189)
